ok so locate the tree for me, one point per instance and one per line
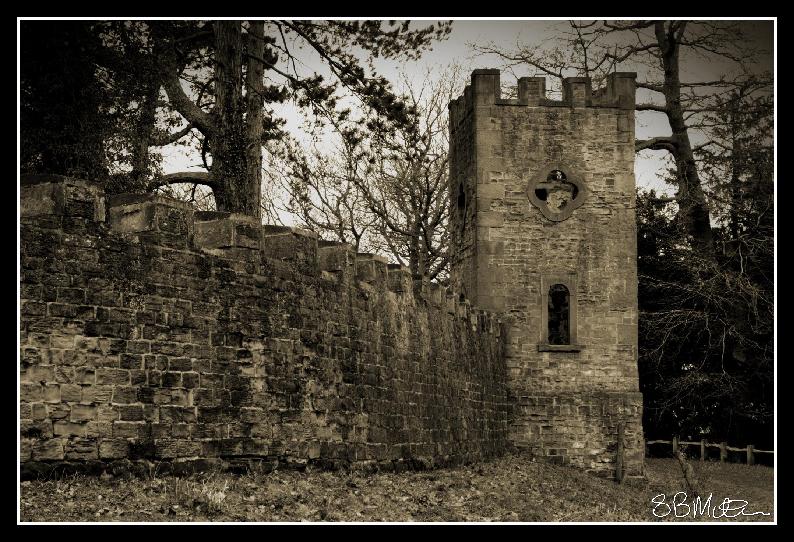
(64, 110)
(383, 187)
(707, 324)
(407, 190)
(221, 78)
(320, 191)
(88, 102)
(705, 337)
(235, 124)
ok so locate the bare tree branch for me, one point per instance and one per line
(171, 138)
(656, 143)
(196, 177)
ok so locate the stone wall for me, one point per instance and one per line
(567, 402)
(150, 332)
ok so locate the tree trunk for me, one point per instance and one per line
(693, 208)
(229, 145)
(254, 84)
(736, 170)
(143, 137)
(417, 254)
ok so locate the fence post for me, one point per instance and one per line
(675, 445)
(750, 456)
(702, 450)
(619, 470)
(723, 452)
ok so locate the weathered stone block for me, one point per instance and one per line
(171, 448)
(491, 191)
(107, 376)
(491, 219)
(52, 393)
(294, 245)
(36, 428)
(83, 413)
(128, 429)
(68, 428)
(371, 268)
(130, 412)
(81, 449)
(71, 393)
(38, 373)
(48, 450)
(42, 195)
(125, 394)
(399, 278)
(337, 258)
(113, 449)
(136, 213)
(30, 392)
(25, 449)
(225, 230)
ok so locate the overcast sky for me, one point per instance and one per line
(510, 33)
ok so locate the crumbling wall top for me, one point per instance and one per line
(172, 223)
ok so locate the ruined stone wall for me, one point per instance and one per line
(149, 332)
(567, 401)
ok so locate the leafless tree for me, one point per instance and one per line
(407, 190)
(384, 189)
(319, 189)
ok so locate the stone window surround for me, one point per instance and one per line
(572, 176)
(569, 280)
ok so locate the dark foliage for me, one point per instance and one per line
(64, 110)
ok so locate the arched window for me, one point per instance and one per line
(559, 315)
(557, 332)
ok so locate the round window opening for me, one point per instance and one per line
(556, 192)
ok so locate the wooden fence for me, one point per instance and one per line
(723, 446)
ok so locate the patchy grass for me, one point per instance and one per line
(512, 488)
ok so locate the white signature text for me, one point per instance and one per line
(679, 507)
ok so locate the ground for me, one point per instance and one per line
(510, 489)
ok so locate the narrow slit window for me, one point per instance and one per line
(559, 314)
(461, 198)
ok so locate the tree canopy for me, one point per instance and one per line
(213, 82)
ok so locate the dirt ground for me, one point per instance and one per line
(510, 489)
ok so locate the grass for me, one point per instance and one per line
(512, 488)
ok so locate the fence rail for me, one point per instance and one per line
(750, 450)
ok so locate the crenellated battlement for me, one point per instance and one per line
(485, 90)
(225, 235)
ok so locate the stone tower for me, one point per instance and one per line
(544, 232)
